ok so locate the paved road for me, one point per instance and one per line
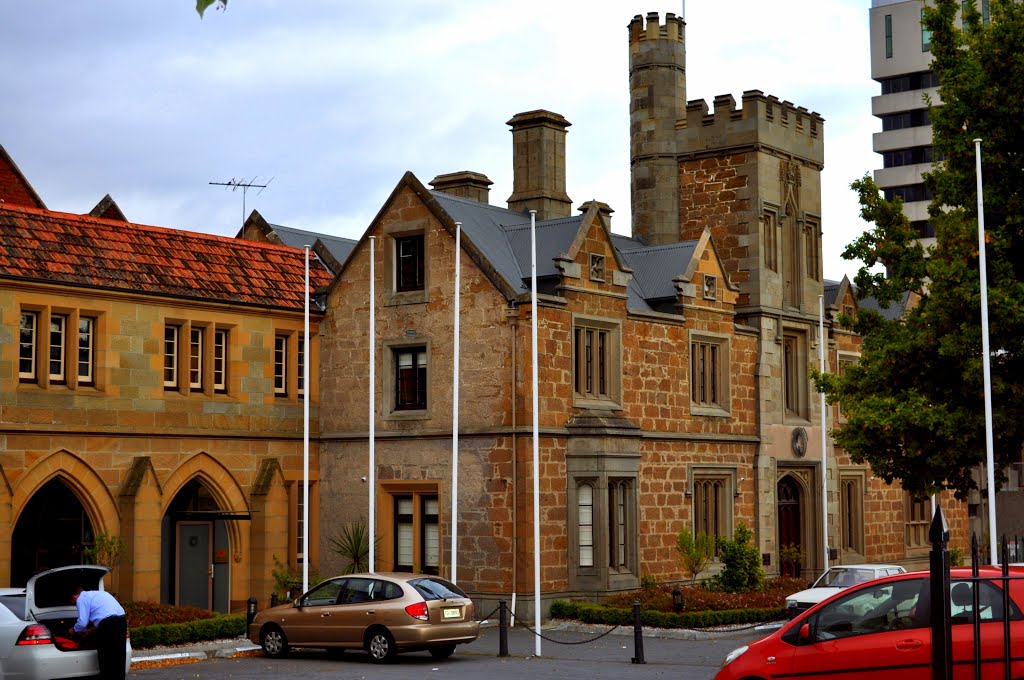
(607, 657)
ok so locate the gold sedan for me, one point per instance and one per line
(383, 613)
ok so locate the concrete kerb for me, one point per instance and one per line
(228, 648)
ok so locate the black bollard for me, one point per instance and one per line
(502, 629)
(273, 599)
(677, 600)
(250, 612)
(638, 634)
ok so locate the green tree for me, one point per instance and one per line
(695, 550)
(914, 403)
(203, 5)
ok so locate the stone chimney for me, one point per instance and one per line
(538, 164)
(465, 183)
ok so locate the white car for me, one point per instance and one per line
(35, 619)
(834, 580)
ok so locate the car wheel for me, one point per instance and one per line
(274, 642)
(380, 645)
(442, 652)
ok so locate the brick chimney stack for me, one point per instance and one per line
(465, 183)
(538, 164)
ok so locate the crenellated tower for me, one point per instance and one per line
(657, 89)
(752, 174)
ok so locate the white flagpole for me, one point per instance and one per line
(536, 430)
(305, 431)
(373, 383)
(455, 410)
(989, 457)
(822, 341)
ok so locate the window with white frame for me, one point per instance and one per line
(281, 365)
(220, 360)
(195, 358)
(172, 334)
(57, 348)
(27, 347)
(409, 263)
(300, 367)
(86, 350)
(585, 523)
(411, 378)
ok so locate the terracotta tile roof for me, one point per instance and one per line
(83, 250)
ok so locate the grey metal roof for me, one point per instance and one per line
(503, 237)
(893, 312)
(831, 291)
(654, 267)
(339, 247)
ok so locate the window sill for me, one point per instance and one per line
(580, 401)
(413, 297)
(710, 411)
(408, 415)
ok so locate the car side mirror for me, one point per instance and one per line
(805, 632)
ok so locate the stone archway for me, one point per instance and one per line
(60, 505)
(201, 539)
(52, 531)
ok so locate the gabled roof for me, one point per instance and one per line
(108, 209)
(81, 250)
(14, 188)
(498, 240)
(894, 311)
(334, 250)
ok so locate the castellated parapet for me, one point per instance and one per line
(763, 123)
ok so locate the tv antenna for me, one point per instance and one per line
(244, 185)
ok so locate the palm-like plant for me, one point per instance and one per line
(352, 542)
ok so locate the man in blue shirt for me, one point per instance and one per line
(102, 619)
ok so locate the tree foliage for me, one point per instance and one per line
(914, 403)
(695, 550)
(741, 571)
(203, 5)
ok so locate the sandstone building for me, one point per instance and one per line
(149, 390)
(674, 365)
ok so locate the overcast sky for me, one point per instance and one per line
(333, 99)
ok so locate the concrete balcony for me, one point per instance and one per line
(902, 139)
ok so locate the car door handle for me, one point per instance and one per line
(370, 611)
(324, 614)
(907, 645)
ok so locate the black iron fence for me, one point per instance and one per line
(962, 598)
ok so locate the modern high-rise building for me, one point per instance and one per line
(901, 65)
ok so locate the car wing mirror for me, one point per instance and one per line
(805, 632)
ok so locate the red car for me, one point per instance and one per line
(880, 630)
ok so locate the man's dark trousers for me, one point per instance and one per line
(110, 642)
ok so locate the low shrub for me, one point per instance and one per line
(169, 634)
(604, 615)
(152, 613)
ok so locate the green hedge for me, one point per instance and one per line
(166, 634)
(595, 613)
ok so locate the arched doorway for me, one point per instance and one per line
(195, 548)
(52, 531)
(788, 497)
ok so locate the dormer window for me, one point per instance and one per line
(597, 267)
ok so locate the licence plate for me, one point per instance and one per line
(450, 613)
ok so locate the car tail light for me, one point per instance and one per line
(35, 634)
(418, 611)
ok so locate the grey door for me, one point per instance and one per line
(195, 564)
